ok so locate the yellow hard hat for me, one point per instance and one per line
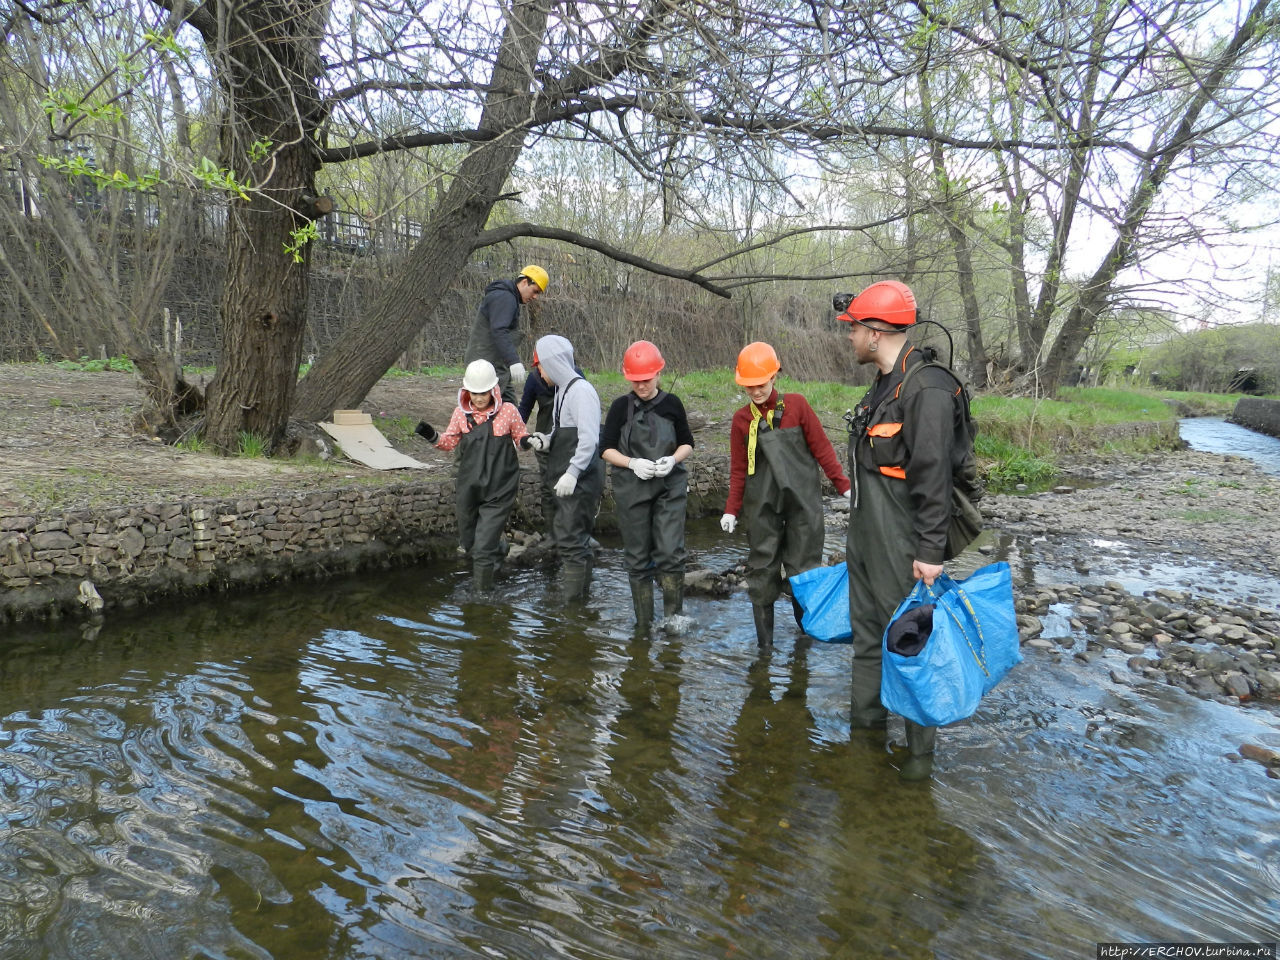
(537, 275)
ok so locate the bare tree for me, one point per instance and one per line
(92, 223)
(692, 95)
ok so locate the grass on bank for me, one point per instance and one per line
(1018, 437)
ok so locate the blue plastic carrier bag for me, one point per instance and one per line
(971, 646)
(823, 594)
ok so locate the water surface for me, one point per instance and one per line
(379, 769)
(1215, 435)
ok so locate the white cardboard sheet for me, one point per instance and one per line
(366, 444)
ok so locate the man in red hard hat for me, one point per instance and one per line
(907, 440)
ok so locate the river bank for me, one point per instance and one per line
(1165, 557)
(1161, 564)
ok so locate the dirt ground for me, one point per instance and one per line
(66, 442)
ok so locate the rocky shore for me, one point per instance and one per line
(1201, 532)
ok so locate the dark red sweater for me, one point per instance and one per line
(796, 413)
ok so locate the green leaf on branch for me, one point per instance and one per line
(220, 178)
(301, 236)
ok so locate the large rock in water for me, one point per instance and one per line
(1258, 413)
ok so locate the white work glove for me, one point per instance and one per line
(728, 522)
(566, 485)
(642, 468)
(539, 442)
(848, 495)
(518, 375)
(663, 465)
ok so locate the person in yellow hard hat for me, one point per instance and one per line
(496, 335)
(776, 449)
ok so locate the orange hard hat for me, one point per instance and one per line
(642, 361)
(756, 364)
(890, 301)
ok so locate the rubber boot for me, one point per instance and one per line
(919, 762)
(574, 576)
(763, 614)
(642, 601)
(672, 594)
(482, 579)
(866, 712)
(797, 611)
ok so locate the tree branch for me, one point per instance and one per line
(775, 125)
(510, 231)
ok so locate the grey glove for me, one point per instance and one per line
(642, 468)
(537, 442)
(728, 522)
(663, 465)
(518, 375)
(426, 431)
(566, 485)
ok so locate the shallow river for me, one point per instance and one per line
(1215, 435)
(376, 768)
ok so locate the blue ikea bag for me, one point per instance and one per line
(973, 643)
(823, 594)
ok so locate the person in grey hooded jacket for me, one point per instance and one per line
(574, 471)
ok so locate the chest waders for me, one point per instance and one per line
(542, 424)
(574, 516)
(651, 513)
(879, 552)
(782, 507)
(488, 480)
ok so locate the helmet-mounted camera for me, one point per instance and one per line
(840, 301)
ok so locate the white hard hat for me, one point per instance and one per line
(479, 376)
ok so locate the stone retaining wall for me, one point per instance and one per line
(136, 554)
(1259, 414)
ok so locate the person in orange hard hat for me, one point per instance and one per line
(777, 451)
(495, 333)
(646, 439)
(909, 450)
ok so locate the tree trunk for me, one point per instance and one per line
(1097, 290)
(269, 56)
(348, 370)
(956, 219)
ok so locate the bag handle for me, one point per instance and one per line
(950, 586)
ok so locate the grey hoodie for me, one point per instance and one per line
(577, 405)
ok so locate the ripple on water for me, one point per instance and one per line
(379, 770)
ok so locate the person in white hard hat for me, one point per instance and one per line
(486, 431)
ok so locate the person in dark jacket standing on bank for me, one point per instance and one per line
(496, 336)
(905, 446)
(646, 439)
(776, 449)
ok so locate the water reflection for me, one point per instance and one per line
(379, 768)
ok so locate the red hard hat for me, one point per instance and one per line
(889, 300)
(756, 364)
(642, 361)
